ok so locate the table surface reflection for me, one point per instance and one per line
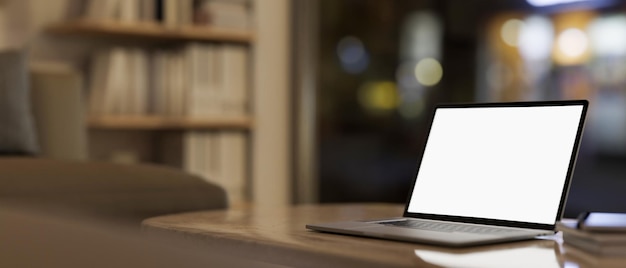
(278, 236)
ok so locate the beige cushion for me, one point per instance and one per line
(115, 191)
(58, 110)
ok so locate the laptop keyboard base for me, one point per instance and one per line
(447, 227)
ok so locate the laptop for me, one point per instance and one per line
(489, 173)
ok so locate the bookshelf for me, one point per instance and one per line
(146, 101)
(63, 36)
(156, 32)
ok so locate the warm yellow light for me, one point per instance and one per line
(510, 31)
(428, 72)
(573, 42)
(572, 45)
(378, 97)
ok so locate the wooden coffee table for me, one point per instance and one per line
(278, 236)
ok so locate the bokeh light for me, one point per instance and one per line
(405, 75)
(510, 31)
(536, 38)
(571, 45)
(608, 35)
(352, 55)
(573, 42)
(378, 98)
(421, 36)
(428, 72)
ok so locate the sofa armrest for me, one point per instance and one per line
(101, 189)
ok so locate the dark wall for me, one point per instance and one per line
(365, 157)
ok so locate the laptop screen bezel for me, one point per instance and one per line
(566, 185)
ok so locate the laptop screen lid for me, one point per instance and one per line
(507, 164)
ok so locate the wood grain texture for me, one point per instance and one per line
(148, 30)
(168, 123)
(278, 235)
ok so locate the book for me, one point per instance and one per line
(138, 80)
(584, 258)
(601, 243)
(105, 10)
(196, 81)
(170, 13)
(214, 78)
(234, 80)
(99, 67)
(223, 14)
(160, 81)
(76, 9)
(199, 155)
(185, 12)
(147, 11)
(228, 14)
(176, 86)
(119, 82)
(116, 83)
(193, 153)
(129, 11)
(197, 60)
(231, 164)
(602, 222)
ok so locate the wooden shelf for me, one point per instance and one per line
(167, 123)
(149, 31)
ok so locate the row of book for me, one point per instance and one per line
(218, 156)
(229, 14)
(609, 241)
(197, 81)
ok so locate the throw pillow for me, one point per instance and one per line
(17, 129)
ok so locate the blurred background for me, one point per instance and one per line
(340, 91)
(384, 64)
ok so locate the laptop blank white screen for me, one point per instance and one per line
(504, 163)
